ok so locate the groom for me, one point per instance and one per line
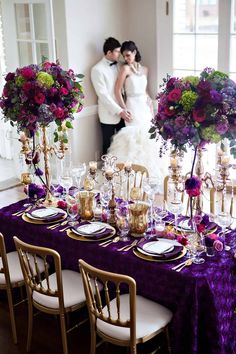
(104, 75)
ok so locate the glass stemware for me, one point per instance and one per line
(224, 220)
(151, 186)
(77, 172)
(174, 202)
(72, 210)
(122, 223)
(66, 182)
(196, 247)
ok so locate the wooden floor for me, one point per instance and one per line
(46, 329)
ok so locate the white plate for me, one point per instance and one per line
(91, 228)
(54, 212)
(172, 242)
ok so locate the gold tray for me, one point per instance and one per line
(41, 222)
(154, 259)
(77, 237)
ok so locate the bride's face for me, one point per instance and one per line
(129, 56)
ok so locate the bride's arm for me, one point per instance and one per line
(124, 71)
(149, 100)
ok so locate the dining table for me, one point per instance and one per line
(202, 297)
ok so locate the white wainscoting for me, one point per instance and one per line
(86, 138)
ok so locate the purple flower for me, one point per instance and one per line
(180, 121)
(218, 245)
(38, 172)
(203, 85)
(193, 186)
(216, 96)
(36, 191)
(222, 127)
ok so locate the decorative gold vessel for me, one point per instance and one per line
(86, 204)
(138, 218)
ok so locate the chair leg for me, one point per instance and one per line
(133, 349)
(63, 333)
(12, 316)
(168, 340)
(93, 340)
(30, 324)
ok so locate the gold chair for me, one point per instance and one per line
(134, 180)
(59, 293)
(126, 320)
(226, 201)
(11, 277)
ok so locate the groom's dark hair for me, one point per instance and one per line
(110, 44)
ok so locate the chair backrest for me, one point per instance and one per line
(91, 279)
(35, 279)
(134, 180)
(4, 269)
(225, 201)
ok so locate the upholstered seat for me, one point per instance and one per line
(128, 319)
(72, 290)
(15, 272)
(150, 318)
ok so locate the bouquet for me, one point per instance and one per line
(194, 111)
(36, 95)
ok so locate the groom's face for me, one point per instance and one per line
(114, 55)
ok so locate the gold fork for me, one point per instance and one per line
(186, 264)
(52, 227)
(116, 239)
(128, 247)
(21, 212)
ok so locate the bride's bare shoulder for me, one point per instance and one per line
(125, 68)
(145, 70)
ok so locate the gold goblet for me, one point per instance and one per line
(138, 219)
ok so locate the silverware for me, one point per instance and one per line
(178, 265)
(65, 228)
(128, 247)
(116, 239)
(186, 264)
(52, 227)
(21, 212)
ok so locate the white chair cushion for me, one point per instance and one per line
(150, 317)
(72, 288)
(15, 271)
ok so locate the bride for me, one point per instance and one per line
(132, 143)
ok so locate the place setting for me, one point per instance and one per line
(44, 215)
(91, 231)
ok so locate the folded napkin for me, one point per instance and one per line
(107, 231)
(46, 214)
(176, 250)
(157, 247)
(91, 228)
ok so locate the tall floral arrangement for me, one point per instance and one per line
(194, 111)
(36, 95)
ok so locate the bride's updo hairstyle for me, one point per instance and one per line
(131, 46)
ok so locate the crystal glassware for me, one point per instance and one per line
(72, 210)
(122, 223)
(66, 182)
(77, 172)
(224, 220)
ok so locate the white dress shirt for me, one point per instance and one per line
(104, 77)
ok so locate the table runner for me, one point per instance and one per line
(201, 297)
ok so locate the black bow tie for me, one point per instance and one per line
(114, 63)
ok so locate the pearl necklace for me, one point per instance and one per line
(137, 70)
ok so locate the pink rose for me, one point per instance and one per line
(194, 192)
(52, 107)
(174, 95)
(64, 91)
(59, 113)
(53, 91)
(201, 228)
(218, 245)
(27, 73)
(47, 65)
(199, 115)
(182, 240)
(62, 204)
(39, 98)
(169, 112)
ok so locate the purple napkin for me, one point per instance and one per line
(173, 253)
(106, 232)
(55, 217)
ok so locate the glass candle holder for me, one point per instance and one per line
(138, 218)
(86, 205)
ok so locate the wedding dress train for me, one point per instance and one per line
(132, 143)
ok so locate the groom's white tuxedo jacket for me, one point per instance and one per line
(103, 78)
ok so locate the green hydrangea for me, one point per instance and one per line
(218, 75)
(194, 80)
(211, 135)
(45, 79)
(187, 100)
(20, 80)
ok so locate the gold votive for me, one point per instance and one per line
(86, 205)
(138, 218)
(26, 178)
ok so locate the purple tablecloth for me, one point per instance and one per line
(201, 297)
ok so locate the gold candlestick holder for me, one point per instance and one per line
(30, 151)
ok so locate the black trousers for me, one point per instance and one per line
(108, 130)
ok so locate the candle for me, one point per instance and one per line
(93, 165)
(173, 162)
(224, 160)
(109, 172)
(22, 137)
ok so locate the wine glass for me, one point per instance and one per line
(151, 186)
(122, 223)
(224, 219)
(78, 172)
(174, 202)
(196, 247)
(72, 210)
(66, 182)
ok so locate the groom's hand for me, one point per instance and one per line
(126, 115)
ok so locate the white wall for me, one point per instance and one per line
(87, 24)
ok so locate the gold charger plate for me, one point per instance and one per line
(154, 259)
(77, 237)
(41, 222)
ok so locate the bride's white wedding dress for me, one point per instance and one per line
(132, 143)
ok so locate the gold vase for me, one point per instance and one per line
(86, 205)
(138, 218)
